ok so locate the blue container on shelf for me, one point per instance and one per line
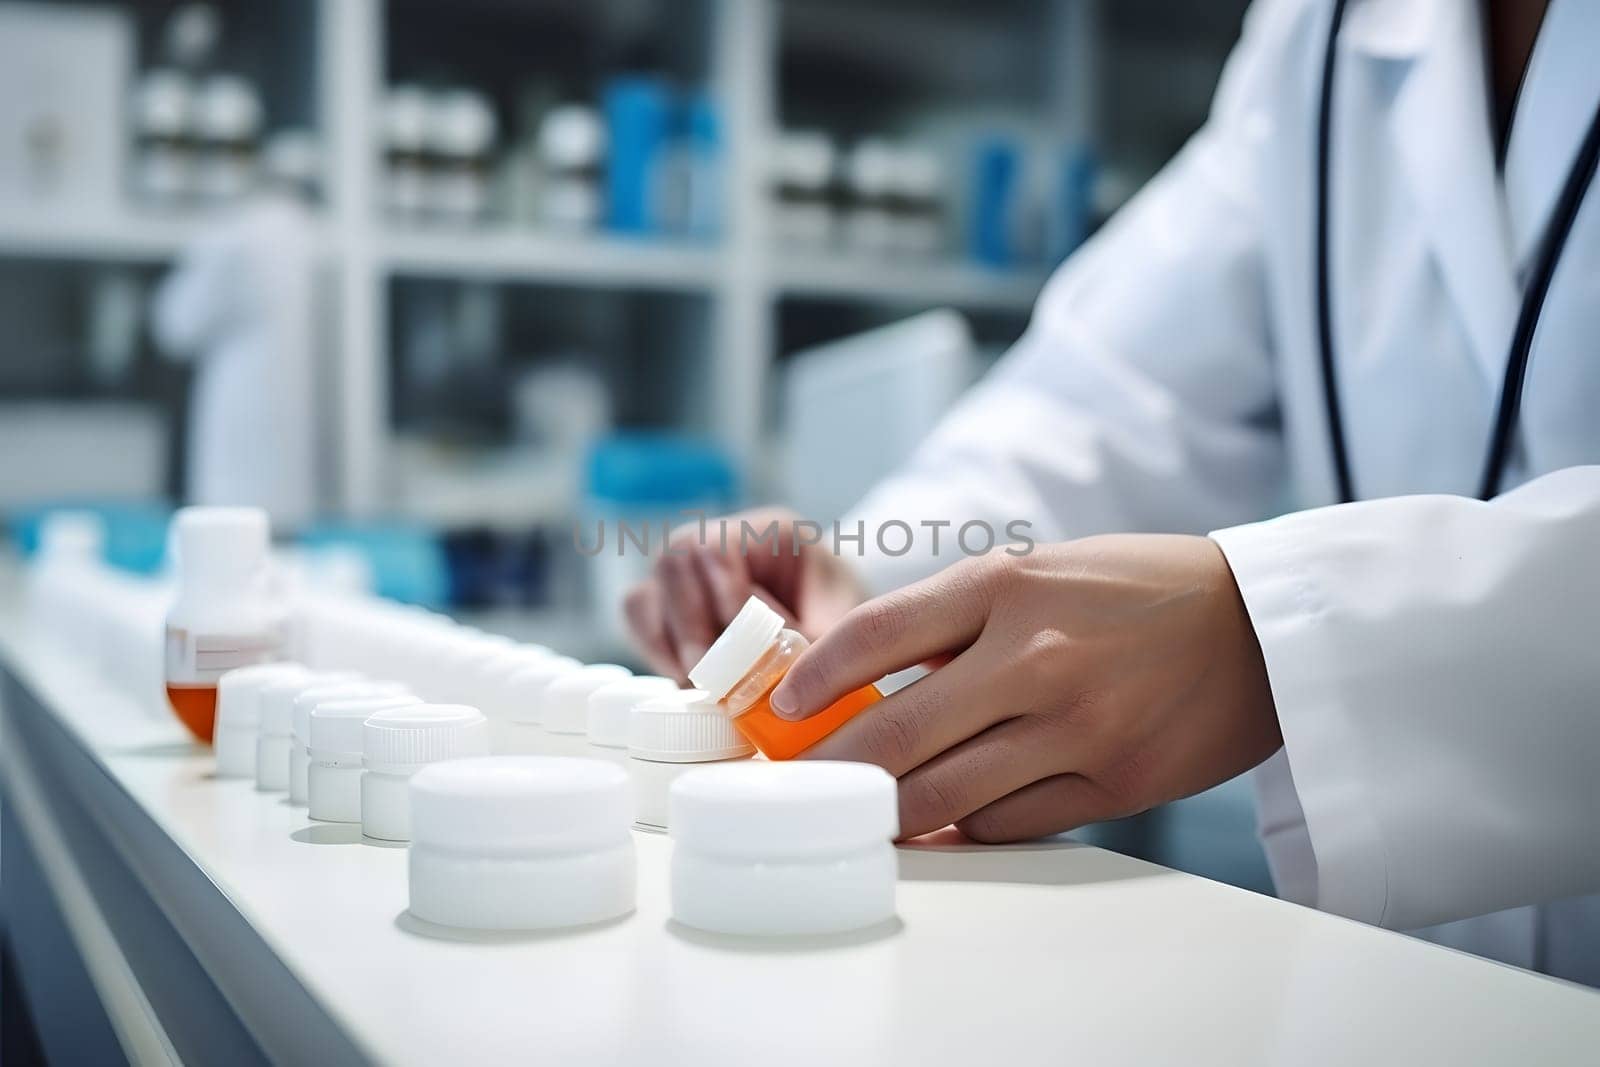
(407, 561)
(643, 482)
(1080, 170)
(996, 190)
(639, 114)
(136, 534)
(702, 136)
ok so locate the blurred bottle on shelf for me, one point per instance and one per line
(563, 408)
(227, 132)
(997, 177)
(196, 130)
(869, 195)
(702, 154)
(164, 147)
(1032, 202)
(571, 157)
(638, 113)
(460, 137)
(803, 169)
(405, 122)
(916, 202)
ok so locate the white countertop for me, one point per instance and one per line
(1053, 953)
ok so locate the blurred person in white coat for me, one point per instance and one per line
(242, 305)
(1373, 277)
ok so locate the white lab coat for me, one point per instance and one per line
(242, 304)
(1435, 660)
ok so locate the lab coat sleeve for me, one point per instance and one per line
(197, 300)
(1435, 662)
(1142, 395)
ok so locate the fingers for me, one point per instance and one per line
(906, 627)
(687, 607)
(1048, 806)
(915, 724)
(981, 770)
(727, 581)
(642, 610)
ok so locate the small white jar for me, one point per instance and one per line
(521, 843)
(239, 714)
(333, 781)
(778, 849)
(523, 732)
(566, 708)
(669, 735)
(399, 742)
(274, 738)
(300, 722)
(492, 692)
(379, 695)
(608, 711)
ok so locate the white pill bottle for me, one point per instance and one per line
(224, 616)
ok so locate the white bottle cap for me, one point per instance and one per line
(277, 698)
(611, 705)
(566, 700)
(524, 696)
(307, 701)
(869, 168)
(227, 108)
(684, 727)
(336, 729)
(571, 137)
(405, 118)
(239, 692)
(521, 842)
(521, 803)
(460, 123)
(804, 159)
(737, 648)
(399, 739)
(221, 544)
(163, 103)
(799, 808)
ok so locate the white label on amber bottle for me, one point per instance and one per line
(202, 659)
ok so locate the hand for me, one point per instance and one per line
(697, 588)
(1091, 680)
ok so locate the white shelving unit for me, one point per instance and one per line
(742, 276)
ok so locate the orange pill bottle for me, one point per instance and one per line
(223, 616)
(746, 662)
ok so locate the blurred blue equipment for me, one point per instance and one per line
(995, 188)
(638, 121)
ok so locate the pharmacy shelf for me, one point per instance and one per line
(741, 277)
(907, 281)
(222, 925)
(499, 255)
(111, 236)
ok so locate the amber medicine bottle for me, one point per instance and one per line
(223, 616)
(744, 665)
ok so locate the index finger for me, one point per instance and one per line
(893, 632)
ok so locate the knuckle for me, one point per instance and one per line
(933, 799)
(880, 624)
(892, 739)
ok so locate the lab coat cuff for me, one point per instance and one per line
(1273, 565)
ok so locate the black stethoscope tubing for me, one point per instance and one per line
(1546, 257)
